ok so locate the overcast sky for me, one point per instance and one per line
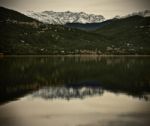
(107, 8)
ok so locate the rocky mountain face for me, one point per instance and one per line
(51, 17)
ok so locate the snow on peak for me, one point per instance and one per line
(145, 13)
(51, 17)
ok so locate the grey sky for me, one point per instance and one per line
(107, 8)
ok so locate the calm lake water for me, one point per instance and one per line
(75, 91)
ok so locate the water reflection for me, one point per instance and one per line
(67, 93)
(23, 75)
(74, 91)
(107, 110)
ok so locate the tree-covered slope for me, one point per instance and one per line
(7, 14)
(132, 32)
(23, 35)
(32, 37)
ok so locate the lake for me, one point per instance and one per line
(75, 91)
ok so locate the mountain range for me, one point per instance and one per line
(21, 35)
(51, 17)
(145, 13)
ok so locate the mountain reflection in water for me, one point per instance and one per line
(74, 91)
(23, 75)
(67, 93)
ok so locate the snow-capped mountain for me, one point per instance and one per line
(145, 13)
(52, 17)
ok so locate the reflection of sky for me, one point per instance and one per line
(107, 110)
(108, 8)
